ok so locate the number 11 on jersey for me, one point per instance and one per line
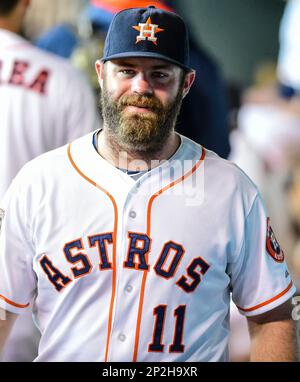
(160, 314)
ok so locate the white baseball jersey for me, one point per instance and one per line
(125, 270)
(44, 103)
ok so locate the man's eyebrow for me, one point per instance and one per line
(124, 63)
(163, 66)
(154, 67)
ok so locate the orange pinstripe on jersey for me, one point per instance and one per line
(114, 247)
(268, 301)
(151, 200)
(13, 303)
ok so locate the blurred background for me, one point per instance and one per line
(239, 34)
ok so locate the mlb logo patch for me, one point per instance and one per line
(272, 245)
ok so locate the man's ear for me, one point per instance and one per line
(188, 82)
(99, 66)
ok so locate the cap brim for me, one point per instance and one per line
(147, 55)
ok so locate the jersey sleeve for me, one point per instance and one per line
(260, 280)
(17, 278)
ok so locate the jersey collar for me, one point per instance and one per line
(9, 39)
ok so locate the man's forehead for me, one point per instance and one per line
(143, 62)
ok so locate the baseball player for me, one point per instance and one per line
(44, 103)
(129, 240)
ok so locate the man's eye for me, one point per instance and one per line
(127, 72)
(160, 75)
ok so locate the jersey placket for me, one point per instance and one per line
(129, 280)
(125, 332)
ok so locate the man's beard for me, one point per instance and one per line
(140, 132)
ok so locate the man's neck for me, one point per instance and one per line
(133, 160)
(10, 25)
(14, 20)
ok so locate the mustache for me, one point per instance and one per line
(140, 101)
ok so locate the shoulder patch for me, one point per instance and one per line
(272, 245)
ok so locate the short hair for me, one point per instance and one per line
(7, 6)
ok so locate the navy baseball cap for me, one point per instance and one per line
(148, 32)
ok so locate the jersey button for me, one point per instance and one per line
(122, 337)
(128, 288)
(132, 214)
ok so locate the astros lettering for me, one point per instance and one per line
(139, 245)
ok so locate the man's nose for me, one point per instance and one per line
(141, 84)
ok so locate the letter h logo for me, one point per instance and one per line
(147, 31)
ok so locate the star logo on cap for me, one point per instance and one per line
(147, 31)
